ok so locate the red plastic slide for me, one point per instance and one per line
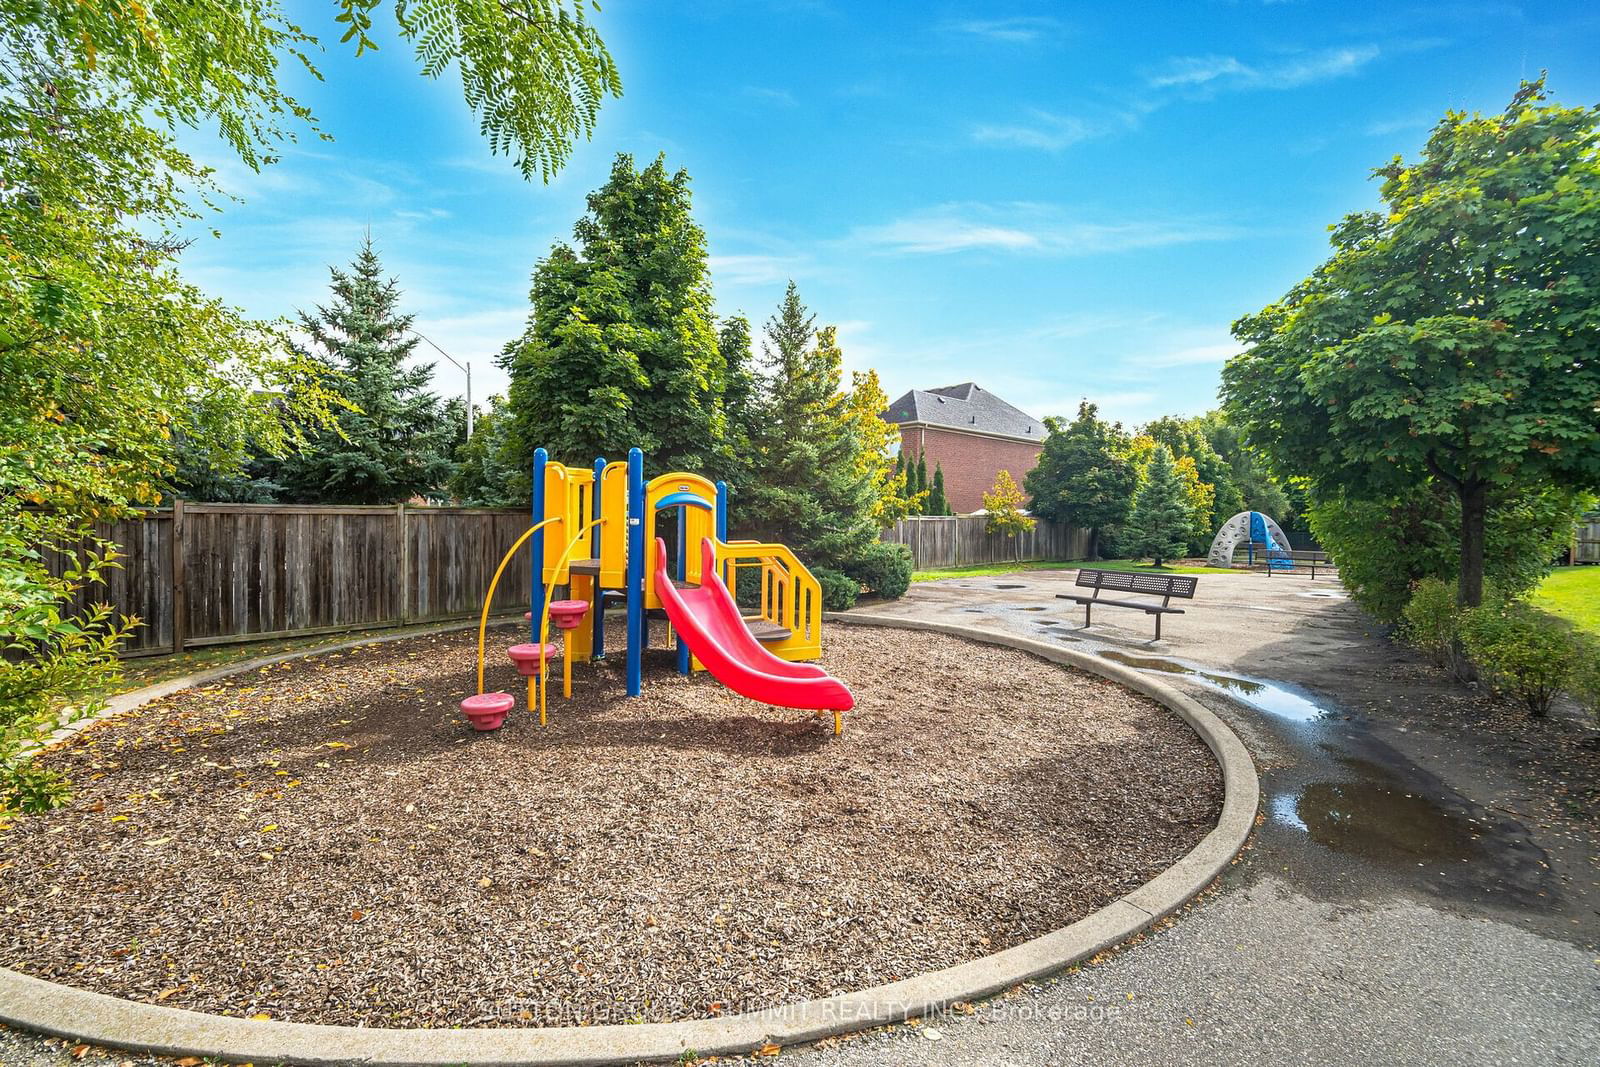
(709, 622)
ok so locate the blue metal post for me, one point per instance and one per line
(722, 517)
(536, 547)
(599, 611)
(635, 582)
(683, 576)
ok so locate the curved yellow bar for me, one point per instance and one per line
(544, 618)
(483, 620)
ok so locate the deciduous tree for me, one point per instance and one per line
(1451, 337)
(1003, 505)
(1084, 476)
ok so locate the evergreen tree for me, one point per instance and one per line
(809, 489)
(620, 351)
(1084, 476)
(921, 482)
(394, 438)
(741, 399)
(938, 503)
(1159, 526)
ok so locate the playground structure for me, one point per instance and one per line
(1253, 529)
(595, 532)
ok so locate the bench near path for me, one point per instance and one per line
(1165, 586)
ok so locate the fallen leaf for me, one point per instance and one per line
(260, 1016)
(79, 1051)
(158, 841)
(357, 915)
(271, 826)
(165, 993)
(189, 1061)
(485, 883)
(769, 1049)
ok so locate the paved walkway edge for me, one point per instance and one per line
(61, 1011)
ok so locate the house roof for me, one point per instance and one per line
(964, 407)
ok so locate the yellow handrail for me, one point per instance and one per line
(483, 620)
(791, 596)
(544, 616)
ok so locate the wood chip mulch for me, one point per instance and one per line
(326, 841)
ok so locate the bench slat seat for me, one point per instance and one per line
(1165, 586)
(1292, 556)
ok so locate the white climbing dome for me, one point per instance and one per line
(1236, 531)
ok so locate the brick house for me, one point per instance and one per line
(973, 435)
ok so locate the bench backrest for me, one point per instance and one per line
(1181, 585)
(1305, 554)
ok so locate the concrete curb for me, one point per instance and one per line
(32, 1004)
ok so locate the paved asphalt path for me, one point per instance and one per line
(1408, 897)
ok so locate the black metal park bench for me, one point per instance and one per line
(1291, 559)
(1165, 586)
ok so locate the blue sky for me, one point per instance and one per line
(1053, 200)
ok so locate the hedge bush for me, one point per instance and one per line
(884, 569)
(1432, 620)
(839, 591)
(1522, 652)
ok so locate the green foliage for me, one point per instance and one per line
(874, 437)
(1162, 517)
(919, 481)
(1433, 619)
(391, 439)
(486, 469)
(1584, 682)
(741, 398)
(114, 373)
(938, 503)
(1084, 477)
(1523, 652)
(884, 569)
(839, 590)
(620, 350)
(1384, 547)
(47, 655)
(1004, 503)
(1452, 336)
(809, 488)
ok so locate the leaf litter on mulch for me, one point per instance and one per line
(326, 840)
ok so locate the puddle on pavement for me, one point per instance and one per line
(1037, 608)
(1011, 585)
(1275, 700)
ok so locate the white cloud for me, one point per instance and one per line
(754, 269)
(1042, 129)
(1027, 228)
(781, 97)
(1188, 355)
(1215, 72)
(1021, 29)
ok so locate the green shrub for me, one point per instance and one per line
(839, 591)
(1521, 652)
(1384, 546)
(1433, 619)
(884, 569)
(1584, 682)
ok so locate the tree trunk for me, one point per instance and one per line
(1474, 496)
(1094, 543)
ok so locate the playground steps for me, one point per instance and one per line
(590, 567)
(760, 629)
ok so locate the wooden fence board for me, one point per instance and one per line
(223, 573)
(960, 541)
(1586, 547)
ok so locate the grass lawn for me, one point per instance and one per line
(1574, 594)
(986, 570)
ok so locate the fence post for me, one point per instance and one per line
(404, 597)
(180, 593)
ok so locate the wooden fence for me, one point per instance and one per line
(1586, 542)
(959, 541)
(211, 574)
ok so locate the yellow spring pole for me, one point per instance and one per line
(544, 619)
(483, 620)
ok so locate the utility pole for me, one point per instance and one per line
(467, 369)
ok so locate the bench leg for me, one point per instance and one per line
(1088, 615)
(1158, 626)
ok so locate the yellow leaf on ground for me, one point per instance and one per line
(271, 826)
(165, 993)
(261, 1017)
